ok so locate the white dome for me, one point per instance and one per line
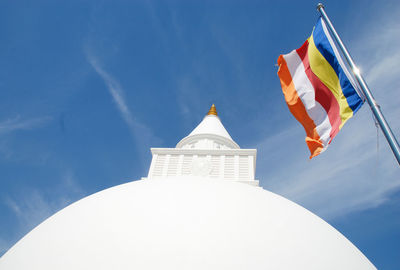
(182, 223)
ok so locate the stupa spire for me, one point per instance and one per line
(212, 111)
(209, 134)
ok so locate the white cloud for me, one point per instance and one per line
(347, 177)
(141, 133)
(11, 125)
(31, 209)
(16, 123)
(115, 91)
(33, 206)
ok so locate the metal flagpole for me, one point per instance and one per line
(364, 87)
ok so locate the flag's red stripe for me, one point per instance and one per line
(297, 108)
(322, 93)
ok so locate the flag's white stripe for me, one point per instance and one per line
(322, 123)
(304, 88)
(341, 63)
(306, 92)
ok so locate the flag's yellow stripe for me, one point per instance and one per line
(324, 71)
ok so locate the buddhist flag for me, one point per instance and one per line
(318, 88)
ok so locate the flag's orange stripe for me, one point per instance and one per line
(297, 108)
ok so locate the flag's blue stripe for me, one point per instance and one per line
(324, 47)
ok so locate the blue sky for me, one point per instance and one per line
(87, 87)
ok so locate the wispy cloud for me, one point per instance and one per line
(31, 209)
(33, 205)
(189, 95)
(115, 91)
(350, 176)
(16, 123)
(141, 133)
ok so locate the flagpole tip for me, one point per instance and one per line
(319, 6)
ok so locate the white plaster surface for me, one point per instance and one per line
(211, 124)
(180, 223)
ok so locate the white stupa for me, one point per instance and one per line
(199, 208)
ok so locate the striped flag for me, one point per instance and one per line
(318, 88)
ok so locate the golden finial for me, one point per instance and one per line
(212, 111)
